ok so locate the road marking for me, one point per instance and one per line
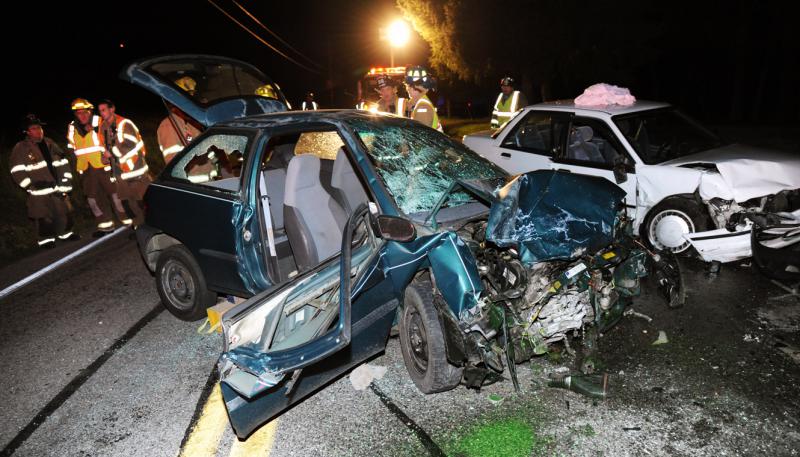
(207, 432)
(259, 443)
(22, 282)
(77, 382)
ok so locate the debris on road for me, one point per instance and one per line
(595, 386)
(364, 374)
(495, 399)
(662, 338)
(634, 313)
(748, 338)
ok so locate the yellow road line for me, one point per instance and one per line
(205, 436)
(259, 443)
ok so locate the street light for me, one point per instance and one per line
(398, 34)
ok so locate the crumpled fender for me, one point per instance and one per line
(449, 258)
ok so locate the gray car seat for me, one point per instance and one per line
(347, 189)
(580, 147)
(313, 220)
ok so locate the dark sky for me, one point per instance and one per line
(713, 58)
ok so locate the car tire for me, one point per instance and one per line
(181, 284)
(422, 341)
(668, 221)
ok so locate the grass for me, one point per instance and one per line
(458, 127)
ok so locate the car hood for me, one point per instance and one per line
(549, 214)
(225, 88)
(748, 172)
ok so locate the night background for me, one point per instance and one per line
(723, 62)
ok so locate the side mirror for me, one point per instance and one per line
(620, 169)
(394, 228)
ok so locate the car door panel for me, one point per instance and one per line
(256, 381)
(530, 142)
(201, 221)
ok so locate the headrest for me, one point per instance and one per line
(303, 172)
(582, 133)
(341, 169)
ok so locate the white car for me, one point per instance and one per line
(683, 182)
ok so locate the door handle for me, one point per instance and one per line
(507, 155)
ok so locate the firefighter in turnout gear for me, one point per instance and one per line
(389, 101)
(40, 167)
(94, 166)
(121, 138)
(418, 83)
(174, 133)
(507, 104)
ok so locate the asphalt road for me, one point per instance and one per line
(93, 367)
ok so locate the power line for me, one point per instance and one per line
(261, 39)
(257, 21)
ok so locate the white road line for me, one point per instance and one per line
(22, 282)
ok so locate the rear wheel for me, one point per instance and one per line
(669, 221)
(181, 284)
(422, 342)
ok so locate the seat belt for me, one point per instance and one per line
(262, 186)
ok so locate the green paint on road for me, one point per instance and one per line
(503, 438)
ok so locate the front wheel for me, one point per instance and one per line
(422, 342)
(668, 222)
(181, 284)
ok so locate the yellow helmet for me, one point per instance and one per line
(186, 83)
(81, 103)
(266, 91)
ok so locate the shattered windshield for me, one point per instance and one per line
(419, 164)
(665, 134)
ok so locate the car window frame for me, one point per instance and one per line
(609, 132)
(166, 176)
(557, 147)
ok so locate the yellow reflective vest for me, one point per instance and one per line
(88, 148)
(504, 110)
(420, 113)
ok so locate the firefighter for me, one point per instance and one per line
(121, 138)
(40, 167)
(309, 104)
(418, 83)
(174, 133)
(389, 101)
(508, 102)
(94, 166)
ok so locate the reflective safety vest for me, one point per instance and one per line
(504, 111)
(399, 107)
(309, 107)
(29, 168)
(422, 106)
(127, 147)
(88, 148)
(169, 140)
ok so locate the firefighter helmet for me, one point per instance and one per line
(186, 83)
(266, 91)
(507, 81)
(81, 103)
(420, 76)
(385, 81)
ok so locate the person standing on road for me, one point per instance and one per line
(418, 83)
(40, 167)
(174, 133)
(389, 101)
(122, 140)
(508, 102)
(94, 167)
(309, 104)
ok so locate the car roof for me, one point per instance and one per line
(569, 105)
(326, 115)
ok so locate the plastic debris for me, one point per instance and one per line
(496, 399)
(662, 338)
(631, 312)
(363, 375)
(748, 338)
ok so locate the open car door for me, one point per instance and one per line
(208, 89)
(282, 345)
